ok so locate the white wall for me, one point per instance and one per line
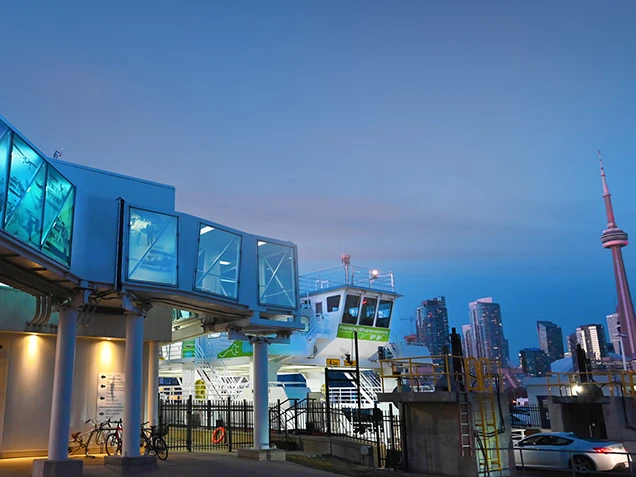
(26, 407)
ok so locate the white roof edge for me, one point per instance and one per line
(114, 174)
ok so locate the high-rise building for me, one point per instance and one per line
(488, 339)
(534, 361)
(467, 341)
(592, 340)
(573, 340)
(550, 339)
(613, 330)
(431, 323)
(615, 239)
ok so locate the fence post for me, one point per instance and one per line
(378, 420)
(327, 403)
(189, 424)
(228, 425)
(245, 415)
(393, 446)
(278, 407)
(208, 411)
(296, 415)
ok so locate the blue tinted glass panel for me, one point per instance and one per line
(218, 262)
(57, 191)
(276, 275)
(25, 201)
(152, 247)
(5, 144)
(57, 239)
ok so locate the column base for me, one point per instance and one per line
(131, 465)
(262, 454)
(57, 468)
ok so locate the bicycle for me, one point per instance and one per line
(77, 438)
(152, 441)
(113, 440)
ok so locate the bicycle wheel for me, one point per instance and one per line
(100, 437)
(74, 446)
(113, 444)
(145, 446)
(160, 447)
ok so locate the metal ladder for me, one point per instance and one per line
(465, 429)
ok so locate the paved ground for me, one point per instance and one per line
(194, 464)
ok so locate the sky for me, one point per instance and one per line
(451, 143)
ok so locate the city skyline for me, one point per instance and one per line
(319, 125)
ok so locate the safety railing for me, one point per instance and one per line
(339, 276)
(607, 383)
(456, 373)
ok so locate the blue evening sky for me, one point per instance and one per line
(454, 143)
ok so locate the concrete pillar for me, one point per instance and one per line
(153, 383)
(261, 395)
(63, 384)
(133, 368)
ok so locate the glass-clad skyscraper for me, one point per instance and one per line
(487, 330)
(550, 339)
(431, 321)
(534, 361)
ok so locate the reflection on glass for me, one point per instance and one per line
(25, 201)
(5, 144)
(351, 309)
(218, 262)
(384, 314)
(276, 275)
(56, 241)
(152, 247)
(57, 191)
(367, 311)
(333, 303)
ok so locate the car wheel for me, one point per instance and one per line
(580, 463)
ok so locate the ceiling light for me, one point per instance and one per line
(261, 243)
(206, 229)
(223, 262)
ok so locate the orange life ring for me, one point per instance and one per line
(218, 435)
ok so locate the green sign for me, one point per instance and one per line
(187, 349)
(237, 349)
(366, 333)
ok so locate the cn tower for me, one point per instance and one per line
(615, 239)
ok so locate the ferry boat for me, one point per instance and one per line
(339, 304)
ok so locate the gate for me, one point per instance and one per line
(195, 425)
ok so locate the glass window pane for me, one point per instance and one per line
(152, 247)
(367, 311)
(25, 200)
(5, 144)
(276, 275)
(351, 309)
(57, 241)
(333, 303)
(57, 191)
(384, 314)
(218, 262)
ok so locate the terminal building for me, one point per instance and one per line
(96, 263)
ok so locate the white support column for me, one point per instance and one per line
(133, 376)
(153, 383)
(63, 384)
(261, 394)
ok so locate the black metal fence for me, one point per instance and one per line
(194, 425)
(530, 417)
(207, 425)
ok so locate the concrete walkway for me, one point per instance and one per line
(223, 464)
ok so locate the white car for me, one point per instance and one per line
(566, 450)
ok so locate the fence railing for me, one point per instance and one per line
(529, 416)
(194, 425)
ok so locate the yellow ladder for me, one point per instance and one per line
(486, 427)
